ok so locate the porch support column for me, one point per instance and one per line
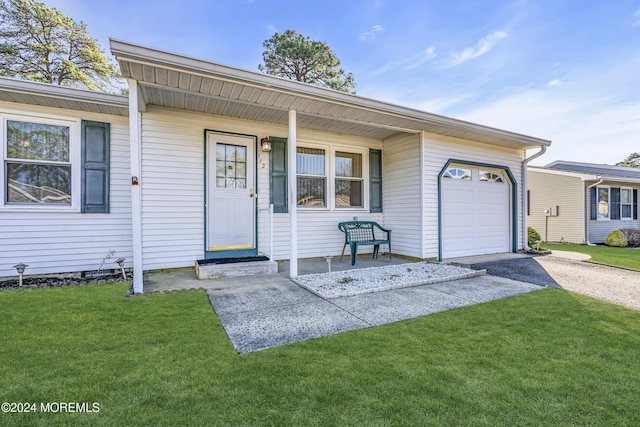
(423, 180)
(136, 202)
(293, 191)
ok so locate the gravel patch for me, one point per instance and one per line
(59, 281)
(376, 279)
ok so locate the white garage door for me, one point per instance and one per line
(475, 212)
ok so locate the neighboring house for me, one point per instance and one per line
(582, 202)
(190, 176)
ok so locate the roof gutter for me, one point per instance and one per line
(586, 211)
(525, 202)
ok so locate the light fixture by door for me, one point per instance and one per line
(265, 143)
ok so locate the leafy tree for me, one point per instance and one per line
(632, 161)
(296, 57)
(41, 44)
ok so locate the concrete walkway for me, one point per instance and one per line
(276, 311)
(260, 312)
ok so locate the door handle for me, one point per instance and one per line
(251, 192)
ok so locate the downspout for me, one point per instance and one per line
(587, 217)
(525, 204)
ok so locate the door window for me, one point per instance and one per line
(231, 166)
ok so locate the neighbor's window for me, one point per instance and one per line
(311, 177)
(349, 180)
(626, 203)
(38, 164)
(458, 173)
(603, 202)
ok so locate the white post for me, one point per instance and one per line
(271, 232)
(423, 181)
(293, 214)
(136, 201)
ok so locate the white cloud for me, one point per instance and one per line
(554, 82)
(409, 63)
(483, 46)
(636, 18)
(373, 33)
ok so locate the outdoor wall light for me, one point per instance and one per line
(265, 143)
(20, 269)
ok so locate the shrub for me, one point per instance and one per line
(632, 235)
(617, 239)
(533, 236)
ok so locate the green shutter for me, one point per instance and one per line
(375, 180)
(95, 167)
(594, 203)
(278, 179)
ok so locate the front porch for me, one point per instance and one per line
(184, 279)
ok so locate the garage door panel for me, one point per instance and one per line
(461, 220)
(459, 245)
(475, 217)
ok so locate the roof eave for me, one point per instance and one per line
(140, 54)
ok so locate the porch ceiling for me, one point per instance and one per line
(175, 81)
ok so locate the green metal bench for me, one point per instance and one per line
(360, 233)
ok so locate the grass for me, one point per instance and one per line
(617, 257)
(550, 357)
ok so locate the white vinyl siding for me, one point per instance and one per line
(401, 191)
(69, 241)
(548, 190)
(438, 150)
(173, 190)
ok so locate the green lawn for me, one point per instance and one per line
(617, 257)
(550, 357)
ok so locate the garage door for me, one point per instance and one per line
(475, 212)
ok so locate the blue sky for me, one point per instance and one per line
(564, 70)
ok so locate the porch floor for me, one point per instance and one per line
(186, 279)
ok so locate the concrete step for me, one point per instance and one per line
(206, 270)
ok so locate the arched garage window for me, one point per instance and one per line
(491, 177)
(457, 173)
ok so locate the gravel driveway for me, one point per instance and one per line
(611, 284)
(599, 281)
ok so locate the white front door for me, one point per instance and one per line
(231, 198)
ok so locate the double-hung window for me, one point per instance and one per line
(626, 203)
(311, 177)
(54, 163)
(602, 202)
(349, 181)
(39, 158)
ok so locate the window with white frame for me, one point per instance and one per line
(311, 177)
(626, 203)
(603, 203)
(38, 162)
(349, 182)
